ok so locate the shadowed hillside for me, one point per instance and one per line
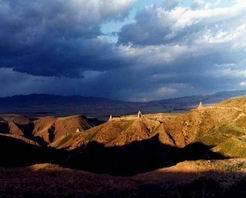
(130, 159)
(21, 151)
(220, 178)
(136, 157)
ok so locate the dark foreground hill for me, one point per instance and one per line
(221, 178)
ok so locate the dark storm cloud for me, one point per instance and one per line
(57, 38)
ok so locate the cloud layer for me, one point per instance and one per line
(58, 38)
(170, 50)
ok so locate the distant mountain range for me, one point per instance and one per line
(43, 104)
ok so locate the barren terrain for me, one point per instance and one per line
(200, 153)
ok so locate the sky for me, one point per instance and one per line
(133, 50)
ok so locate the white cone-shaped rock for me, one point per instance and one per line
(200, 106)
(140, 115)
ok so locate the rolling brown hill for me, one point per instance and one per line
(51, 129)
(123, 144)
(173, 129)
(44, 130)
(155, 140)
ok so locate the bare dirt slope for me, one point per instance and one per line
(44, 130)
(52, 128)
(173, 129)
